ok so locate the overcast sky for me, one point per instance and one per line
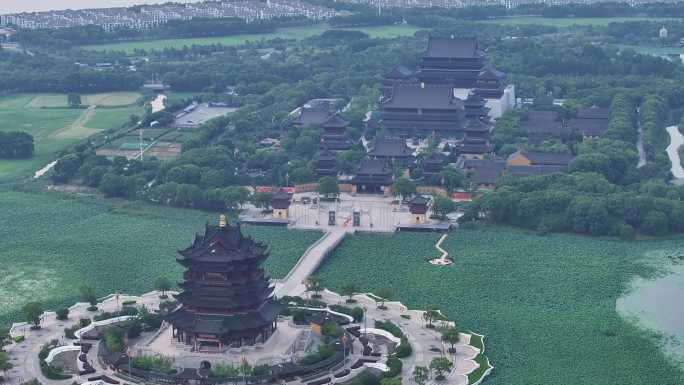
(12, 6)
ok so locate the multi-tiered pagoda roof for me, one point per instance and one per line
(226, 299)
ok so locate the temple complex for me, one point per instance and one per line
(226, 299)
(421, 110)
(453, 82)
(334, 136)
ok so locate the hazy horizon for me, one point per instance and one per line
(15, 6)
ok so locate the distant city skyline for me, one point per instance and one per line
(14, 6)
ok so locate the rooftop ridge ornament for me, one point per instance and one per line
(222, 221)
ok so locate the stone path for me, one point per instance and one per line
(293, 283)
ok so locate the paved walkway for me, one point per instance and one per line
(640, 143)
(24, 355)
(293, 283)
(676, 140)
(426, 343)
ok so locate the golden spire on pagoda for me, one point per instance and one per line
(222, 220)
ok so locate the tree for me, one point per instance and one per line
(62, 313)
(451, 336)
(65, 168)
(262, 200)
(439, 366)
(327, 186)
(655, 223)
(5, 364)
(443, 206)
(74, 100)
(404, 187)
(385, 294)
(313, 284)
(421, 374)
(5, 337)
(451, 179)
(33, 312)
(431, 314)
(89, 295)
(349, 290)
(16, 145)
(162, 284)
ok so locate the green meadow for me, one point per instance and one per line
(569, 21)
(296, 33)
(55, 127)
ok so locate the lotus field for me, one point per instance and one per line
(545, 303)
(53, 245)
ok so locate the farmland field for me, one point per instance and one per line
(284, 33)
(566, 22)
(51, 245)
(55, 127)
(546, 304)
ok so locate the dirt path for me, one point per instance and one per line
(77, 129)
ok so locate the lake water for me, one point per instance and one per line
(658, 304)
(12, 6)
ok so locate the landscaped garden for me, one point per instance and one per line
(546, 303)
(53, 245)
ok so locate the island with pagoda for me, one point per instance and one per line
(226, 325)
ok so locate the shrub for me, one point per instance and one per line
(84, 322)
(159, 364)
(404, 349)
(261, 370)
(18, 339)
(129, 303)
(395, 366)
(70, 332)
(390, 327)
(299, 316)
(134, 329)
(113, 339)
(323, 352)
(62, 314)
(341, 309)
(52, 373)
(357, 313)
(332, 330)
(221, 369)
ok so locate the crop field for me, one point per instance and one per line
(297, 33)
(569, 21)
(545, 303)
(55, 127)
(51, 245)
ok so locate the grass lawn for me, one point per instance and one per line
(303, 32)
(51, 245)
(546, 304)
(652, 50)
(57, 127)
(566, 22)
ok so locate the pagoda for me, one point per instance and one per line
(226, 299)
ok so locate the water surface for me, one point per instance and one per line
(658, 304)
